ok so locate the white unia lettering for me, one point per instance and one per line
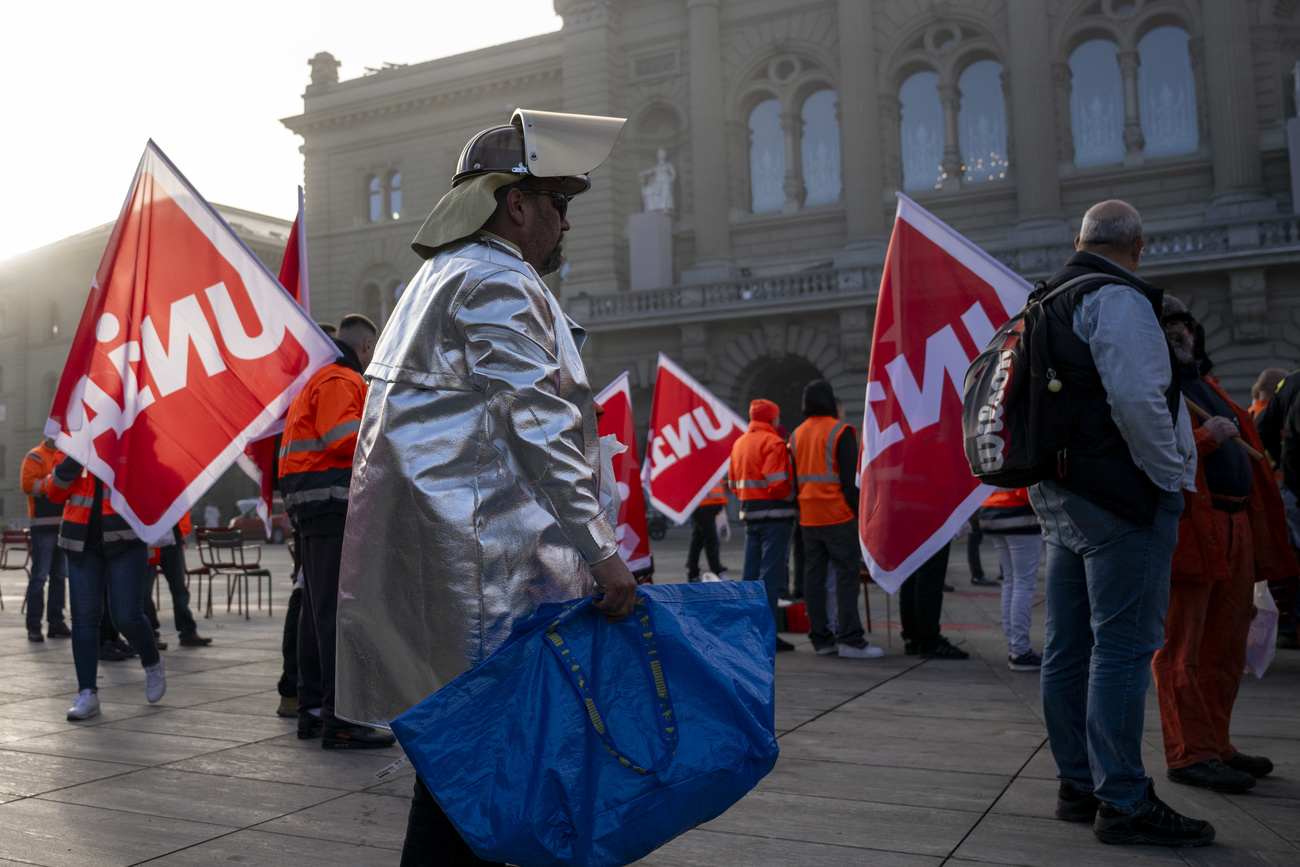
(685, 436)
(273, 312)
(186, 326)
(713, 432)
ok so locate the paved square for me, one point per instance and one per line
(894, 761)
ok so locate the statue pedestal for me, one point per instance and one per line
(650, 248)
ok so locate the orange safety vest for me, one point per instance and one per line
(1007, 498)
(760, 474)
(717, 496)
(40, 461)
(320, 437)
(821, 499)
(78, 499)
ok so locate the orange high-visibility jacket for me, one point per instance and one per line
(78, 498)
(717, 496)
(37, 466)
(821, 497)
(320, 437)
(760, 474)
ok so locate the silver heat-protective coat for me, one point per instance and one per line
(475, 484)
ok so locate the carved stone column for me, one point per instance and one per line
(890, 112)
(950, 98)
(1029, 70)
(792, 186)
(1196, 51)
(1133, 140)
(862, 168)
(738, 195)
(1233, 115)
(1061, 87)
(1248, 294)
(708, 145)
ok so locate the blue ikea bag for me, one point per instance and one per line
(582, 742)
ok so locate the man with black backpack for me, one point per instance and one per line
(1110, 517)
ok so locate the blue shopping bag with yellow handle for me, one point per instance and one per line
(581, 742)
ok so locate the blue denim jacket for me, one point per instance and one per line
(1132, 357)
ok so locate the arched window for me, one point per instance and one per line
(982, 122)
(1167, 93)
(1096, 104)
(375, 198)
(821, 149)
(766, 157)
(395, 195)
(921, 131)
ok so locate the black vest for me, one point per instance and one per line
(1098, 465)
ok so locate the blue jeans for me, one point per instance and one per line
(1107, 595)
(127, 576)
(48, 561)
(767, 548)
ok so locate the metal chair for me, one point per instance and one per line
(14, 543)
(867, 581)
(228, 556)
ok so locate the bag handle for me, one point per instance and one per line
(650, 654)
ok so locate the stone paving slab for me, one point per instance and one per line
(899, 761)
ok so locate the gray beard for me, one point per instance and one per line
(1184, 354)
(553, 261)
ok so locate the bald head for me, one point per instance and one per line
(1267, 383)
(1112, 229)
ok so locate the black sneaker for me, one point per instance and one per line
(35, 635)
(941, 648)
(983, 581)
(110, 652)
(1075, 805)
(1150, 821)
(910, 648)
(309, 726)
(948, 588)
(1028, 661)
(1256, 766)
(1213, 775)
(352, 737)
(782, 645)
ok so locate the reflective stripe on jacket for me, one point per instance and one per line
(37, 465)
(761, 475)
(821, 497)
(320, 437)
(1007, 511)
(78, 499)
(717, 496)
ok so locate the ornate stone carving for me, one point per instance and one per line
(774, 338)
(324, 69)
(1248, 293)
(695, 350)
(855, 338)
(657, 185)
(581, 14)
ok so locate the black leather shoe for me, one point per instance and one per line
(909, 647)
(942, 648)
(309, 726)
(194, 640)
(1213, 775)
(782, 644)
(160, 644)
(1256, 766)
(352, 737)
(59, 630)
(1150, 821)
(1073, 805)
(35, 635)
(110, 652)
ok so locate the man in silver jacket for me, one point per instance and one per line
(475, 485)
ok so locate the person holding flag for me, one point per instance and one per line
(762, 478)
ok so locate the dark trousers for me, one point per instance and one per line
(800, 567)
(920, 600)
(973, 548)
(834, 546)
(431, 839)
(316, 624)
(123, 575)
(48, 561)
(172, 564)
(288, 685)
(704, 536)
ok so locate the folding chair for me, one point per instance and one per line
(229, 558)
(13, 545)
(204, 567)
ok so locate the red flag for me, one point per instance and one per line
(633, 539)
(691, 434)
(940, 296)
(258, 459)
(187, 349)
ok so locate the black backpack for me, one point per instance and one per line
(1016, 415)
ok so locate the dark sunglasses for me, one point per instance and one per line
(560, 199)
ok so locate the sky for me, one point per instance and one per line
(86, 84)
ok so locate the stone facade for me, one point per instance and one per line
(775, 279)
(42, 295)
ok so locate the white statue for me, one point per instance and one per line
(657, 185)
(1295, 75)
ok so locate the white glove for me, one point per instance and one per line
(723, 525)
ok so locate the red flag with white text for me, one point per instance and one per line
(633, 539)
(689, 445)
(187, 350)
(258, 459)
(941, 299)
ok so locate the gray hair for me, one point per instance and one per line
(1112, 224)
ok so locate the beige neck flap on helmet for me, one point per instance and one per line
(543, 144)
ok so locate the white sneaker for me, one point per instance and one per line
(155, 681)
(86, 705)
(851, 652)
(709, 577)
(723, 576)
(826, 651)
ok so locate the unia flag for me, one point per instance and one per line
(633, 540)
(258, 458)
(941, 299)
(187, 350)
(689, 444)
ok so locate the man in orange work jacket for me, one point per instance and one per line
(1232, 533)
(48, 559)
(320, 437)
(825, 456)
(761, 476)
